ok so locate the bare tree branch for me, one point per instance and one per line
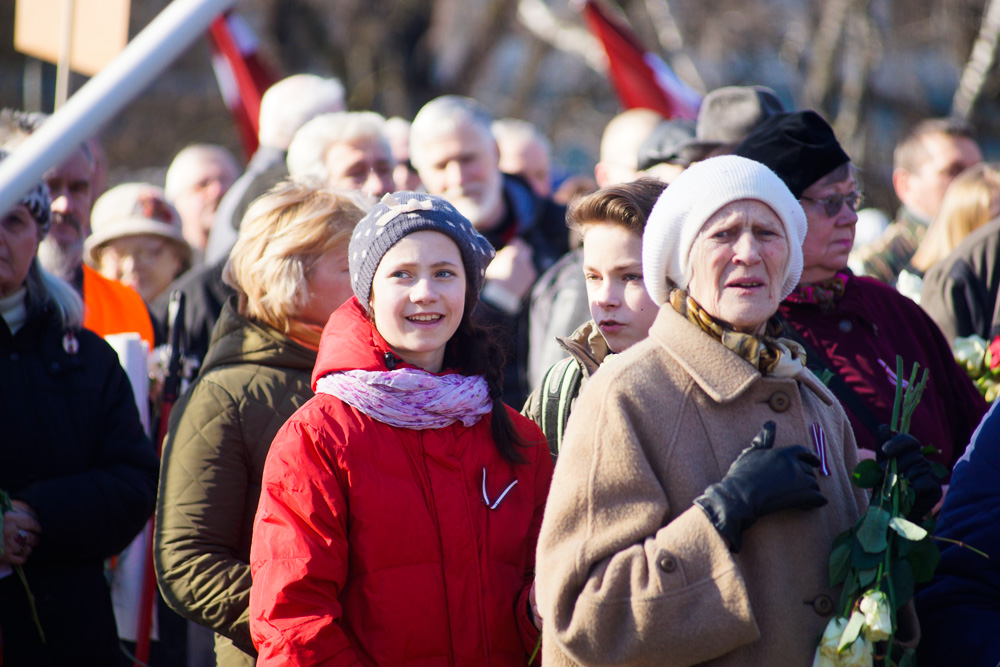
(672, 43)
(823, 64)
(984, 53)
(543, 24)
(858, 58)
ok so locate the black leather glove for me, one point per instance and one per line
(762, 480)
(912, 465)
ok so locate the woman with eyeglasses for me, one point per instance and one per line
(855, 326)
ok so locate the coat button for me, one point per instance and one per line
(845, 326)
(14, 356)
(823, 605)
(668, 564)
(779, 401)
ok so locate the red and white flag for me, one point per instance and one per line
(641, 78)
(242, 74)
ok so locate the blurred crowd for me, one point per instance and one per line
(393, 329)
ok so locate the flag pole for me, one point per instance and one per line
(152, 51)
(65, 49)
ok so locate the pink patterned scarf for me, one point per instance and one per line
(411, 398)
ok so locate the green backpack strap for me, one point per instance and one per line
(560, 386)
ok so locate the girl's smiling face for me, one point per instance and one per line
(418, 297)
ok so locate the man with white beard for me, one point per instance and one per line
(453, 150)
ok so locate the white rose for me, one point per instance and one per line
(878, 617)
(826, 652)
(859, 654)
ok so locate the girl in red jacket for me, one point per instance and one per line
(401, 506)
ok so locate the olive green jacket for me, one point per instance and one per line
(588, 348)
(253, 379)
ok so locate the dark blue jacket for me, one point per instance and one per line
(541, 223)
(960, 609)
(72, 447)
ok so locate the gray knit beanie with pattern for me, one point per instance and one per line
(404, 213)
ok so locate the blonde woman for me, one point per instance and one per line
(972, 200)
(289, 270)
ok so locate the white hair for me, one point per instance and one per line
(521, 132)
(397, 132)
(289, 104)
(307, 152)
(44, 289)
(179, 172)
(444, 115)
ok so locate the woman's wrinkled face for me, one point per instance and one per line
(418, 297)
(738, 262)
(830, 238)
(145, 262)
(18, 245)
(328, 282)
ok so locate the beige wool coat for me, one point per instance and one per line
(629, 571)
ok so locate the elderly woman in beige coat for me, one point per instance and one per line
(705, 471)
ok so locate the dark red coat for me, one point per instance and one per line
(372, 544)
(873, 322)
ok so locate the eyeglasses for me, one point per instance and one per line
(831, 205)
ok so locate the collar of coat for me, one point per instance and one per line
(587, 346)
(719, 372)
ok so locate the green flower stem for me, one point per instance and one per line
(961, 544)
(6, 506)
(912, 399)
(899, 394)
(888, 498)
(31, 602)
(538, 646)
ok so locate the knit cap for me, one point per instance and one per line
(134, 209)
(37, 201)
(694, 197)
(402, 214)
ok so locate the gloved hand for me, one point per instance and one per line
(762, 480)
(912, 465)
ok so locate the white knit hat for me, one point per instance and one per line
(694, 197)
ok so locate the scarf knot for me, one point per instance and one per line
(769, 353)
(825, 293)
(411, 398)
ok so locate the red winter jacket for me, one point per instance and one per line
(372, 544)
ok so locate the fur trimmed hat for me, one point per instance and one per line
(402, 214)
(694, 197)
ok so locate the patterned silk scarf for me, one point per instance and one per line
(411, 398)
(825, 293)
(769, 354)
